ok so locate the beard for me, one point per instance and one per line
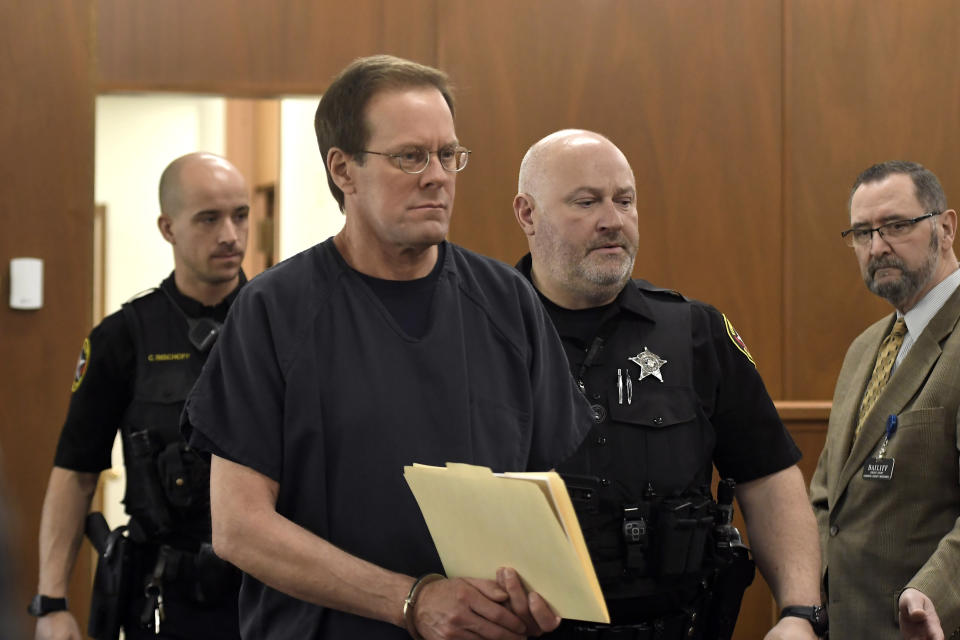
(593, 279)
(603, 272)
(609, 272)
(911, 281)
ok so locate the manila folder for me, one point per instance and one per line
(480, 521)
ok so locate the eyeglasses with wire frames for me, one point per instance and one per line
(892, 231)
(415, 160)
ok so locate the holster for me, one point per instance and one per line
(733, 574)
(216, 578)
(111, 584)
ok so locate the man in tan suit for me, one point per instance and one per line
(886, 491)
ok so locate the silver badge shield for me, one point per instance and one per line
(649, 364)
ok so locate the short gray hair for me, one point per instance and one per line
(927, 188)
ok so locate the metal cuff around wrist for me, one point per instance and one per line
(410, 603)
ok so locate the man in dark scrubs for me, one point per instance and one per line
(382, 346)
(675, 393)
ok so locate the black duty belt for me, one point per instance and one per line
(678, 627)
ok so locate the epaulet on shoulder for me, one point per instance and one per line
(646, 286)
(141, 294)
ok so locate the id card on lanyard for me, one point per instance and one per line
(878, 467)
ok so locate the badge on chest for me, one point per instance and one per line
(650, 367)
(878, 467)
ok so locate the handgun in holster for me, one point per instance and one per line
(111, 584)
(734, 568)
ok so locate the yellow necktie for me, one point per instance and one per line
(881, 370)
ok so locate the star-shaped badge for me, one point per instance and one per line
(649, 364)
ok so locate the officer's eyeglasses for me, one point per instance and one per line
(892, 232)
(415, 160)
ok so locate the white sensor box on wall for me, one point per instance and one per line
(26, 283)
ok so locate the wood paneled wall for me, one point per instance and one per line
(694, 105)
(864, 81)
(46, 211)
(260, 47)
(745, 122)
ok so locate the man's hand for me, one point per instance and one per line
(59, 625)
(466, 608)
(791, 628)
(531, 607)
(918, 617)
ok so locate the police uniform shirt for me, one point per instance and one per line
(104, 388)
(708, 377)
(103, 384)
(314, 384)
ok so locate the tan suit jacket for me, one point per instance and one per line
(879, 537)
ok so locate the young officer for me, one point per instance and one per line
(134, 373)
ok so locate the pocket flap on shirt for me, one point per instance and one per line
(656, 408)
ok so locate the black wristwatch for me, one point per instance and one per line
(42, 605)
(816, 616)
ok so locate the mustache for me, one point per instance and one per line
(617, 238)
(226, 249)
(884, 262)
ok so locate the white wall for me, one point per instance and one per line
(136, 138)
(308, 213)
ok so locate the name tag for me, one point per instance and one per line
(878, 469)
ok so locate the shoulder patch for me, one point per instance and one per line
(82, 362)
(737, 340)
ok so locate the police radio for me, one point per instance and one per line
(202, 332)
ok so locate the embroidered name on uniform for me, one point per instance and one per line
(82, 363)
(737, 340)
(166, 357)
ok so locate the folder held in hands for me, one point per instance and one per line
(481, 521)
